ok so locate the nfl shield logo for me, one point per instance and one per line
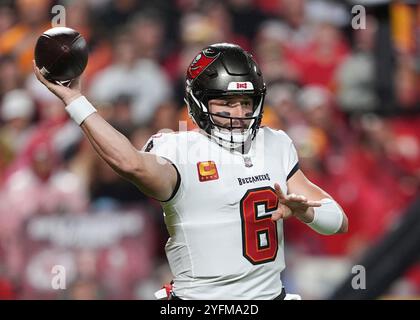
(248, 162)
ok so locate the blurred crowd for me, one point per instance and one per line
(349, 98)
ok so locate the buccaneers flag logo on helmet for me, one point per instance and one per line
(201, 61)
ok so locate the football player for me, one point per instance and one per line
(224, 189)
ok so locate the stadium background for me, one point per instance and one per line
(349, 99)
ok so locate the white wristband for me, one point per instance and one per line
(79, 109)
(328, 218)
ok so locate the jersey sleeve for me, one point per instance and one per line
(292, 163)
(289, 155)
(162, 145)
(165, 146)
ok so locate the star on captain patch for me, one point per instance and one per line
(248, 162)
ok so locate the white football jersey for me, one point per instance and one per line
(223, 243)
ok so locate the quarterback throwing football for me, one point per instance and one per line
(225, 189)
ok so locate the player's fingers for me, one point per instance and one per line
(280, 213)
(314, 203)
(279, 193)
(36, 71)
(39, 76)
(286, 212)
(277, 215)
(296, 198)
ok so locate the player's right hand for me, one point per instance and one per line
(66, 94)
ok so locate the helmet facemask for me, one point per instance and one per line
(228, 135)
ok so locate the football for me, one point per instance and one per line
(61, 54)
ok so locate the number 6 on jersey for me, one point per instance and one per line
(259, 234)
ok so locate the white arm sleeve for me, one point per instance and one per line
(328, 218)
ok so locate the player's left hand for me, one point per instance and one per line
(292, 205)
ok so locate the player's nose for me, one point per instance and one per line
(238, 110)
(237, 113)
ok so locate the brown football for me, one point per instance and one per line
(61, 54)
